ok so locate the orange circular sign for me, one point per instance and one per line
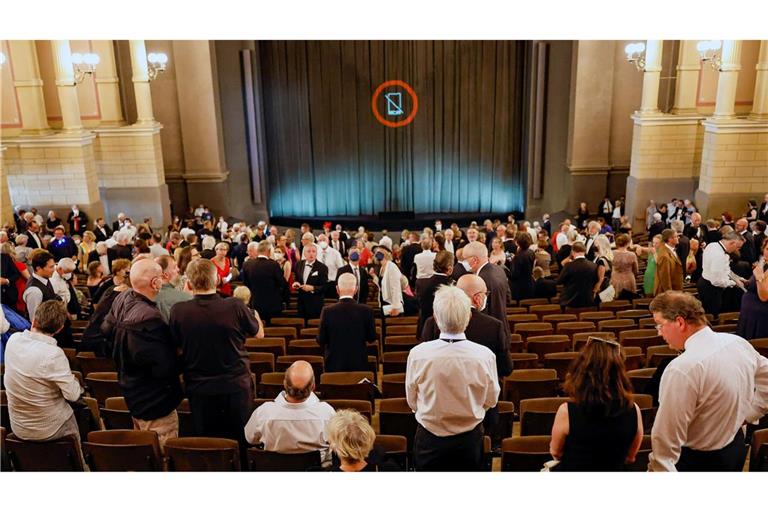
(411, 93)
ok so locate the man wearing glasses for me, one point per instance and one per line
(706, 394)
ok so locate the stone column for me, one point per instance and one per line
(651, 76)
(6, 214)
(688, 67)
(66, 86)
(29, 87)
(145, 115)
(107, 84)
(726, 83)
(760, 103)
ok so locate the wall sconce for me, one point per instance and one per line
(2, 58)
(84, 64)
(636, 55)
(157, 64)
(711, 51)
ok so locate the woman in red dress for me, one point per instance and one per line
(223, 267)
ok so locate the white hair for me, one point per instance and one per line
(122, 236)
(66, 264)
(22, 239)
(347, 282)
(308, 236)
(208, 242)
(677, 225)
(451, 309)
(657, 216)
(253, 246)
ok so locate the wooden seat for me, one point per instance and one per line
(617, 325)
(731, 317)
(532, 302)
(556, 318)
(397, 418)
(400, 343)
(289, 333)
(616, 305)
(395, 330)
(729, 328)
(596, 316)
(526, 329)
(394, 362)
(642, 303)
(347, 385)
(202, 454)
(308, 347)
(362, 406)
(642, 338)
(658, 353)
(314, 322)
(506, 423)
(639, 378)
(646, 323)
(396, 448)
(571, 328)
(60, 455)
(263, 460)
(527, 453)
(516, 310)
(647, 410)
(544, 309)
(761, 345)
(634, 314)
(270, 384)
(758, 454)
(524, 360)
(518, 318)
(393, 385)
(261, 363)
(541, 347)
(123, 450)
(560, 362)
(115, 414)
(579, 311)
(317, 363)
(633, 358)
(90, 363)
(537, 415)
(401, 320)
(274, 346)
(297, 323)
(103, 385)
(516, 343)
(580, 338)
(522, 384)
(309, 332)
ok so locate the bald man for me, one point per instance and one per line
(345, 328)
(296, 421)
(148, 369)
(475, 256)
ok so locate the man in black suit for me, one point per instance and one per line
(345, 328)
(337, 243)
(102, 231)
(747, 252)
(102, 250)
(759, 236)
(119, 223)
(443, 266)
(311, 280)
(77, 220)
(695, 229)
(593, 230)
(407, 255)
(579, 278)
(264, 278)
(361, 276)
(476, 255)
(33, 233)
(762, 212)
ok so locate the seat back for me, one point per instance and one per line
(396, 418)
(658, 353)
(639, 378)
(524, 360)
(758, 454)
(303, 347)
(634, 314)
(522, 384)
(270, 384)
(560, 362)
(400, 343)
(401, 330)
(617, 325)
(275, 346)
(362, 406)
(556, 318)
(287, 332)
(202, 454)
(115, 414)
(401, 320)
(393, 385)
(261, 363)
(544, 309)
(90, 363)
(580, 338)
(59, 455)
(527, 329)
(263, 460)
(396, 448)
(527, 453)
(297, 323)
(537, 415)
(103, 385)
(123, 450)
(345, 377)
(596, 316)
(571, 328)
(633, 358)
(543, 347)
(642, 338)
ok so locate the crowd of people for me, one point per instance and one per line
(178, 304)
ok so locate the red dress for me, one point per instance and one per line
(224, 288)
(21, 285)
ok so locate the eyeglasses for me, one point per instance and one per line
(612, 343)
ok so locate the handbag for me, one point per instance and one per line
(608, 294)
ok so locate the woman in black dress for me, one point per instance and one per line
(521, 268)
(753, 316)
(600, 428)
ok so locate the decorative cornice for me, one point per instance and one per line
(712, 125)
(666, 119)
(57, 140)
(205, 177)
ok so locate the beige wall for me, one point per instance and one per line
(745, 89)
(165, 103)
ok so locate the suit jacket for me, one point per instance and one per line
(544, 288)
(656, 229)
(759, 238)
(698, 233)
(713, 236)
(747, 252)
(341, 247)
(498, 291)
(267, 284)
(591, 248)
(362, 288)
(100, 237)
(760, 214)
(426, 297)
(669, 271)
(345, 328)
(682, 250)
(458, 271)
(521, 275)
(32, 243)
(94, 256)
(483, 330)
(578, 278)
(407, 255)
(311, 303)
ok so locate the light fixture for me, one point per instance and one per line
(710, 51)
(636, 55)
(157, 64)
(2, 58)
(84, 64)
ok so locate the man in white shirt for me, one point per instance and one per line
(296, 421)
(38, 379)
(424, 261)
(716, 276)
(449, 383)
(385, 240)
(332, 259)
(706, 394)
(449, 240)
(60, 278)
(156, 248)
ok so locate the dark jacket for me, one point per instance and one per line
(345, 328)
(311, 303)
(362, 291)
(63, 248)
(578, 279)
(426, 296)
(266, 281)
(94, 256)
(483, 330)
(498, 291)
(102, 237)
(147, 366)
(544, 288)
(521, 275)
(407, 254)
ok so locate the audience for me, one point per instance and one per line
(310, 283)
(753, 314)
(476, 257)
(443, 268)
(361, 276)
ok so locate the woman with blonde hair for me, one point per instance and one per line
(604, 262)
(351, 439)
(600, 428)
(223, 268)
(84, 248)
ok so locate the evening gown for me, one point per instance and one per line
(753, 316)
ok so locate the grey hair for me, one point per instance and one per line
(657, 216)
(733, 235)
(308, 236)
(677, 225)
(253, 246)
(208, 242)
(451, 309)
(22, 239)
(66, 264)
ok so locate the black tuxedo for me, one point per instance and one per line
(699, 233)
(94, 256)
(81, 219)
(345, 328)
(579, 278)
(426, 296)
(407, 255)
(123, 251)
(498, 291)
(267, 284)
(483, 330)
(747, 252)
(102, 237)
(116, 226)
(712, 236)
(656, 229)
(311, 303)
(32, 243)
(521, 275)
(362, 286)
(591, 248)
(762, 212)
(544, 288)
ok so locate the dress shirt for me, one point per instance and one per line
(157, 250)
(716, 266)
(38, 382)
(332, 259)
(561, 240)
(61, 287)
(307, 271)
(286, 427)
(424, 262)
(32, 296)
(104, 260)
(449, 246)
(450, 384)
(706, 394)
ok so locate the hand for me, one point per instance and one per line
(4, 281)
(758, 272)
(394, 312)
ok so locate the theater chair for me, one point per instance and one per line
(59, 455)
(537, 415)
(202, 454)
(527, 453)
(396, 448)
(263, 460)
(123, 450)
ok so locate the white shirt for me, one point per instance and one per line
(157, 250)
(424, 262)
(616, 213)
(716, 266)
(60, 287)
(450, 385)
(705, 396)
(38, 382)
(561, 240)
(332, 259)
(392, 288)
(104, 260)
(32, 296)
(386, 242)
(286, 427)
(449, 246)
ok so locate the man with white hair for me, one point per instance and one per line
(448, 233)
(123, 248)
(119, 223)
(104, 255)
(385, 240)
(657, 225)
(450, 382)
(308, 239)
(593, 231)
(22, 251)
(475, 255)
(61, 279)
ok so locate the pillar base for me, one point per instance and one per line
(642, 190)
(138, 203)
(712, 205)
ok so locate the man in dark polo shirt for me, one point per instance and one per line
(211, 332)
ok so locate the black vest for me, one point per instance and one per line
(64, 337)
